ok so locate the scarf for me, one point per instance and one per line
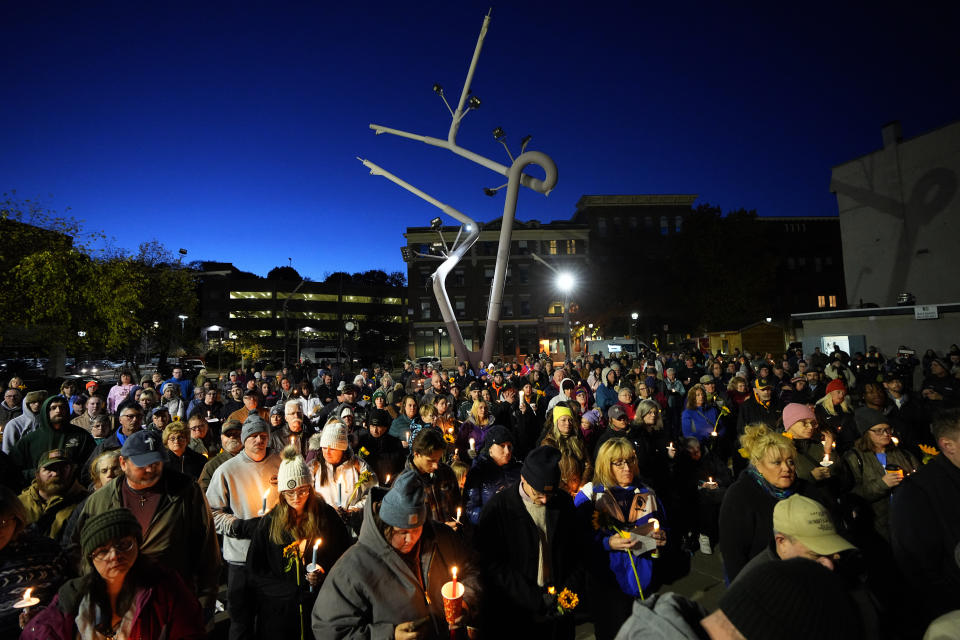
(769, 489)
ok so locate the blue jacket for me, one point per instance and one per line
(484, 480)
(698, 423)
(619, 563)
(606, 397)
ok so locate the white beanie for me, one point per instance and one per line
(334, 436)
(293, 471)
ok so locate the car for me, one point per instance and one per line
(432, 361)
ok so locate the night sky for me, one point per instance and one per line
(232, 129)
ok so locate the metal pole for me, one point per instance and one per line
(566, 327)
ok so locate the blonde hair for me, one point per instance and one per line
(475, 409)
(645, 407)
(175, 428)
(758, 439)
(428, 411)
(734, 381)
(614, 449)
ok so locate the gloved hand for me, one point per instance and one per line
(245, 528)
(472, 453)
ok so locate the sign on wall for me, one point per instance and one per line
(925, 312)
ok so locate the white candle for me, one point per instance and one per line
(458, 514)
(826, 462)
(670, 447)
(339, 493)
(473, 444)
(315, 546)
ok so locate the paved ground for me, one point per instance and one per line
(704, 584)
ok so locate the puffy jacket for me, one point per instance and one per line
(484, 480)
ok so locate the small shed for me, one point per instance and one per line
(759, 337)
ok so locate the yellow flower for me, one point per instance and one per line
(927, 449)
(364, 451)
(568, 600)
(449, 438)
(725, 411)
(743, 453)
(787, 434)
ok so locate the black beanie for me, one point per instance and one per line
(541, 469)
(793, 599)
(867, 418)
(110, 525)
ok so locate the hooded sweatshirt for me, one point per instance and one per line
(18, 427)
(7, 413)
(73, 440)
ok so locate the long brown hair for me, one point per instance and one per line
(285, 523)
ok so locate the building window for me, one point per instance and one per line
(802, 261)
(251, 314)
(821, 301)
(602, 226)
(523, 274)
(817, 264)
(617, 223)
(555, 309)
(251, 295)
(633, 222)
(460, 306)
(648, 222)
(488, 274)
(833, 302)
(664, 225)
(678, 224)
(522, 248)
(571, 247)
(425, 308)
(524, 307)
(507, 308)
(424, 277)
(458, 278)
(552, 248)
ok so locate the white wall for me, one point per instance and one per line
(900, 219)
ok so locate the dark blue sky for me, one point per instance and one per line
(231, 129)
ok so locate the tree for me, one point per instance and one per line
(284, 273)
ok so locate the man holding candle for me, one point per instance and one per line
(235, 495)
(388, 585)
(441, 489)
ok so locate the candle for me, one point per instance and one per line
(408, 436)
(292, 438)
(552, 590)
(27, 600)
(263, 508)
(895, 440)
(453, 572)
(656, 527)
(339, 493)
(713, 433)
(388, 479)
(473, 444)
(315, 546)
(459, 510)
(826, 462)
(671, 448)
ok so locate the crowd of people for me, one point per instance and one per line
(315, 503)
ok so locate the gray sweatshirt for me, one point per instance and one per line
(236, 493)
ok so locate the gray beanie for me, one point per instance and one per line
(252, 425)
(403, 506)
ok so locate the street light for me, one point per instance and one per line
(636, 342)
(566, 282)
(298, 339)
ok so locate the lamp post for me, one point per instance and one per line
(565, 283)
(636, 342)
(298, 339)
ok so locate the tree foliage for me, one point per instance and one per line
(68, 298)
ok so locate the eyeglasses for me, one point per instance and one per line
(177, 439)
(132, 415)
(123, 546)
(621, 463)
(882, 432)
(298, 493)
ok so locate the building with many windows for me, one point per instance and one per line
(359, 320)
(532, 311)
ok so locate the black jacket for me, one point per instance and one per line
(752, 412)
(925, 534)
(508, 543)
(386, 454)
(746, 521)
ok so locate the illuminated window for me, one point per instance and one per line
(488, 274)
(313, 297)
(571, 247)
(356, 298)
(460, 306)
(251, 314)
(833, 301)
(251, 295)
(392, 301)
(821, 301)
(425, 309)
(552, 248)
(555, 309)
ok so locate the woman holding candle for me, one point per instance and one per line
(700, 420)
(122, 594)
(746, 515)
(481, 419)
(341, 478)
(493, 470)
(388, 585)
(282, 547)
(700, 483)
(401, 424)
(876, 468)
(623, 506)
(800, 425)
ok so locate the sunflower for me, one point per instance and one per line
(568, 600)
(449, 438)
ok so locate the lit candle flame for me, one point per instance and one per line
(459, 510)
(317, 543)
(713, 434)
(388, 479)
(895, 440)
(656, 524)
(26, 594)
(552, 590)
(710, 480)
(266, 494)
(453, 572)
(408, 436)
(292, 438)
(472, 444)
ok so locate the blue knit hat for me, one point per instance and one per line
(403, 506)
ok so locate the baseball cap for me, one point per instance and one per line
(143, 448)
(763, 383)
(52, 457)
(707, 379)
(616, 412)
(808, 522)
(231, 425)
